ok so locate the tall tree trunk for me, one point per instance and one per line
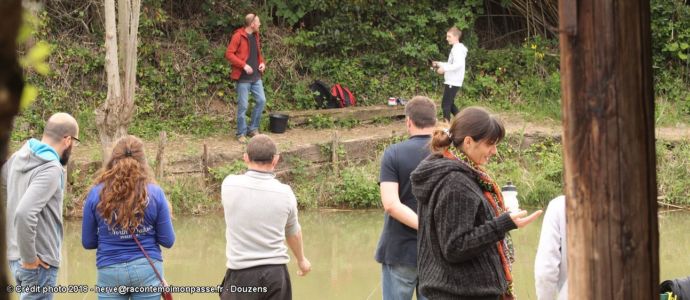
(11, 86)
(608, 141)
(115, 114)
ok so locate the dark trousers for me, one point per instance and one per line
(448, 101)
(257, 283)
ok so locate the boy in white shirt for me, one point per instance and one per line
(551, 262)
(453, 72)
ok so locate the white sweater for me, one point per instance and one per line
(455, 66)
(260, 212)
(551, 263)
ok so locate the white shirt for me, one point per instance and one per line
(260, 213)
(455, 66)
(551, 263)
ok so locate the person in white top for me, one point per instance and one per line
(551, 263)
(453, 72)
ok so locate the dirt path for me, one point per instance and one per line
(188, 148)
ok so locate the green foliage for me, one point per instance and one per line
(35, 58)
(671, 62)
(291, 11)
(301, 96)
(537, 170)
(79, 183)
(377, 49)
(319, 121)
(237, 167)
(352, 187)
(198, 126)
(522, 79)
(347, 123)
(671, 32)
(308, 194)
(673, 100)
(326, 149)
(190, 195)
(358, 189)
(673, 172)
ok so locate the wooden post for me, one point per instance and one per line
(334, 151)
(11, 87)
(204, 163)
(608, 142)
(160, 157)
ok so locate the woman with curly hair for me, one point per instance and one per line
(125, 208)
(464, 250)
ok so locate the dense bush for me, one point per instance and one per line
(671, 54)
(377, 49)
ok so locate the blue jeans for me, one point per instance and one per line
(243, 89)
(36, 277)
(399, 282)
(133, 273)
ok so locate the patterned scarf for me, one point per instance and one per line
(492, 194)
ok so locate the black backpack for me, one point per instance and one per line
(679, 286)
(323, 96)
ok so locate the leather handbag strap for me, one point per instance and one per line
(134, 236)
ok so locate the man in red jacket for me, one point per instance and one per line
(244, 54)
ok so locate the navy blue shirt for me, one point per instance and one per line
(252, 61)
(398, 242)
(117, 245)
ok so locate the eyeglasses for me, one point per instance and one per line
(75, 139)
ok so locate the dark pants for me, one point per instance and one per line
(448, 101)
(257, 283)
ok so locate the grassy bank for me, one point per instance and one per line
(534, 166)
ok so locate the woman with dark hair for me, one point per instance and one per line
(464, 251)
(125, 214)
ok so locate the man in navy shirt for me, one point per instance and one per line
(397, 248)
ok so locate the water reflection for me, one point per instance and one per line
(340, 245)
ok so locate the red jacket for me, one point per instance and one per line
(238, 52)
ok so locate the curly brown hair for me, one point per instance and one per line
(124, 196)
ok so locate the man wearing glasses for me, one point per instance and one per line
(244, 54)
(34, 181)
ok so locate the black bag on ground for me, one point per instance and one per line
(679, 286)
(323, 96)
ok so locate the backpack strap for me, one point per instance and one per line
(134, 236)
(337, 91)
(352, 101)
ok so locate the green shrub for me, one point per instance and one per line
(357, 188)
(536, 171)
(218, 174)
(189, 195)
(673, 172)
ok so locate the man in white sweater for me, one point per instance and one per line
(261, 215)
(551, 263)
(453, 72)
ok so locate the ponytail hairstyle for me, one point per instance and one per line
(475, 122)
(124, 196)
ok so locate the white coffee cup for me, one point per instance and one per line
(510, 199)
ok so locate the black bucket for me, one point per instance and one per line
(278, 122)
